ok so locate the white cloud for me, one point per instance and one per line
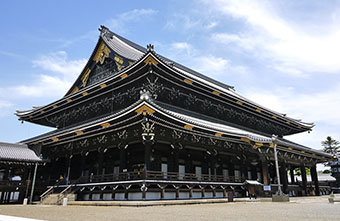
(5, 107)
(207, 64)
(290, 46)
(318, 107)
(118, 23)
(60, 73)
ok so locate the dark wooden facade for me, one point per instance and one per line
(136, 125)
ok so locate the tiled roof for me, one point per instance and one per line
(16, 152)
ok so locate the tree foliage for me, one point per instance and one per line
(331, 146)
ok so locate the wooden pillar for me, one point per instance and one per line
(100, 162)
(304, 180)
(82, 166)
(177, 191)
(5, 178)
(292, 178)
(315, 180)
(190, 192)
(213, 167)
(253, 173)
(175, 159)
(265, 179)
(122, 158)
(244, 170)
(284, 178)
(147, 155)
(231, 171)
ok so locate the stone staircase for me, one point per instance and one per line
(55, 199)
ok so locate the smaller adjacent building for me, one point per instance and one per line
(17, 161)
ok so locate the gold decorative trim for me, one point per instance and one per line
(75, 89)
(299, 126)
(55, 106)
(79, 132)
(30, 116)
(118, 59)
(85, 93)
(290, 148)
(271, 144)
(150, 60)
(54, 139)
(85, 77)
(102, 53)
(42, 111)
(258, 144)
(274, 116)
(288, 122)
(145, 109)
(188, 81)
(313, 154)
(69, 100)
(218, 134)
(239, 102)
(123, 76)
(102, 85)
(246, 139)
(302, 151)
(189, 127)
(216, 92)
(258, 110)
(105, 125)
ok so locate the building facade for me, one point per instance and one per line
(136, 125)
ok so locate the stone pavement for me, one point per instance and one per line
(301, 208)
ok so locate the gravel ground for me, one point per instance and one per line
(304, 208)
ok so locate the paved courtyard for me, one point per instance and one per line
(304, 208)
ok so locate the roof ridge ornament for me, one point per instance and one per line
(104, 31)
(150, 47)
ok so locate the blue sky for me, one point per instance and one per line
(281, 54)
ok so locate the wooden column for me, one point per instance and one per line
(315, 180)
(265, 179)
(244, 170)
(304, 180)
(100, 162)
(253, 173)
(213, 166)
(147, 155)
(175, 159)
(231, 170)
(82, 166)
(284, 178)
(122, 158)
(5, 178)
(292, 178)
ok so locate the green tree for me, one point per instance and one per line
(298, 171)
(330, 146)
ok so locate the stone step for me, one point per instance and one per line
(53, 199)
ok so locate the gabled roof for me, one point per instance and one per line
(17, 153)
(132, 51)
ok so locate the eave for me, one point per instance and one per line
(134, 114)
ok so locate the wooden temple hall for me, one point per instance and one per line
(136, 125)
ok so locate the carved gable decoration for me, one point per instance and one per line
(103, 64)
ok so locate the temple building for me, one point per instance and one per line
(136, 125)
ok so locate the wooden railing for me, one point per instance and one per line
(157, 175)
